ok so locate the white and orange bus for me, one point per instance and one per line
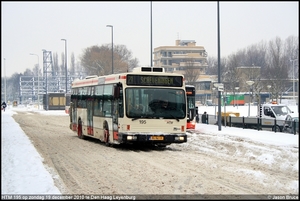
(121, 108)
(191, 106)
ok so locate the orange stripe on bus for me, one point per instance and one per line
(110, 79)
(84, 82)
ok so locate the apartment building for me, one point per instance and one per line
(187, 58)
(183, 55)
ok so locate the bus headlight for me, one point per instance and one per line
(179, 138)
(131, 137)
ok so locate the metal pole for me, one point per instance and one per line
(293, 82)
(219, 70)
(237, 90)
(225, 101)
(38, 91)
(66, 66)
(112, 48)
(249, 101)
(151, 54)
(4, 82)
(250, 83)
(233, 97)
(46, 101)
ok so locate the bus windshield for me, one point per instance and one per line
(155, 103)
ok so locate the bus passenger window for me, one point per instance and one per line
(107, 107)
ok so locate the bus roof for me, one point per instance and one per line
(114, 78)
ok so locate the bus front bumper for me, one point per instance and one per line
(152, 138)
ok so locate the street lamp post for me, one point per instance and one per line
(233, 97)
(38, 91)
(151, 50)
(4, 82)
(112, 47)
(225, 102)
(45, 73)
(250, 83)
(269, 86)
(236, 89)
(66, 67)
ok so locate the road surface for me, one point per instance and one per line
(89, 167)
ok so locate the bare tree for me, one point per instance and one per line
(123, 57)
(97, 59)
(292, 52)
(36, 69)
(212, 68)
(223, 69)
(13, 87)
(191, 72)
(72, 64)
(277, 67)
(232, 79)
(255, 55)
(132, 63)
(292, 47)
(62, 70)
(55, 64)
(28, 72)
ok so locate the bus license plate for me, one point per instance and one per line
(157, 138)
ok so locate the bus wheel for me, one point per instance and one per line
(79, 129)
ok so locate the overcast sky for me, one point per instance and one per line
(29, 27)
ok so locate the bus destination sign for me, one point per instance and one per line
(154, 80)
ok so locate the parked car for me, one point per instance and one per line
(291, 124)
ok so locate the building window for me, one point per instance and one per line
(205, 85)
